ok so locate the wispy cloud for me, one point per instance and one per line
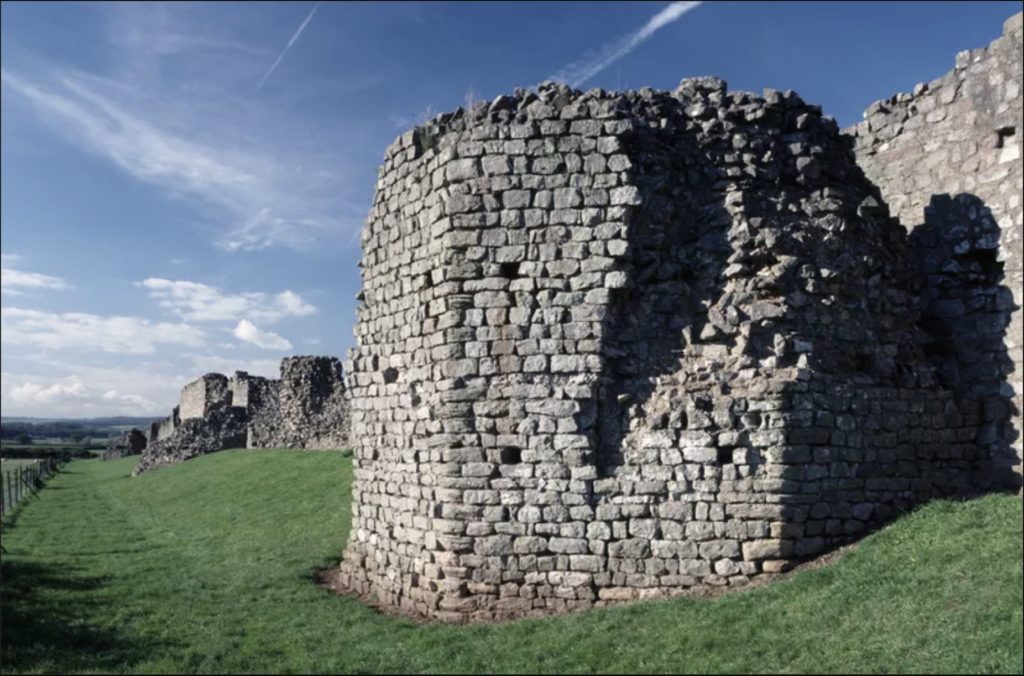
(268, 340)
(93, 333)
(578, 72)
(195, 301)
(14, 282)
(267, 202)
(291, 42)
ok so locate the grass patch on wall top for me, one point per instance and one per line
(207, 567)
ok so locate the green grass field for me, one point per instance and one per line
(206, 567)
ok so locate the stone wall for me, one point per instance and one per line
(131, 442)
(612, 346)
(260, 397)
(223, 427)
(164, 429)
(203, 395)
(947, 158)
(205, 421)
(313, 401)
(305, 409)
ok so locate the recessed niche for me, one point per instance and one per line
(511, 455)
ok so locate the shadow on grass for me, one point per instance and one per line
(41, 617)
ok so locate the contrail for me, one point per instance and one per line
(291, 42)
(578, 72)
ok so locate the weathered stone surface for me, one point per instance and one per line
(222, 427)
(131, 442)
(307, 408)
(947, 159)
(675, 340)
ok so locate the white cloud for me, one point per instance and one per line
(90, 332)
(13, 281)
(69, 396)
(268, 340)
(32, 280)
(578, 72)
(195, 301)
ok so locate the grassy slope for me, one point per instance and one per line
(206, 567)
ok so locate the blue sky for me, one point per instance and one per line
(183, 184)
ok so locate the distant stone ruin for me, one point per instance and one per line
(131, 442)
(305, 409)
(615, 345)
(310, 407)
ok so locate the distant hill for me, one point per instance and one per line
(77, 431)
(115, 421)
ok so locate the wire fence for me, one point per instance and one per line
(19, 482)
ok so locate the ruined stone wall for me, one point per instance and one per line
(223, 427)
(260, 397)
(165, 428)
(203, 395)
(131, 442)
(205, 421)
(309, 408)
(613, 346)
(947, 158)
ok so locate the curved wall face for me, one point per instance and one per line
(612, 346)
(947, 159)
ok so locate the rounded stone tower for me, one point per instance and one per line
(614, 345)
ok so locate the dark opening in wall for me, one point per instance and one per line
(1004, 133)
(509, 270)
(984, 261)
(390, 375)
(511, 455)
(725, 454)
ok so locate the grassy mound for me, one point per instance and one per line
(206, 567)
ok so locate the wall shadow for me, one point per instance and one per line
(966, 311)
(677, 245)
(873, 431)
